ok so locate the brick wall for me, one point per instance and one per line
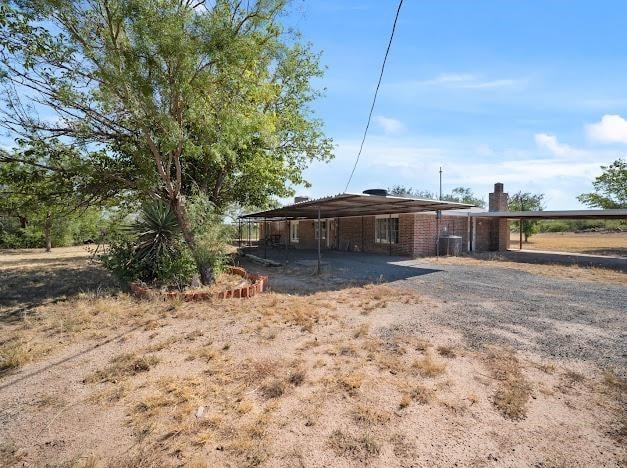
(417, 234)
(483, 228)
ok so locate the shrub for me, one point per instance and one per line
(211, 234)
(151, 250)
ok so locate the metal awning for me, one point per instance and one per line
(564, 214)
(355, 204)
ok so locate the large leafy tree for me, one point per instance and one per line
(610, 188)
(526, 201)
(458, 194)
(189, 95)
(47, 184)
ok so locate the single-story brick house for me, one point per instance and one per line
(378, 223)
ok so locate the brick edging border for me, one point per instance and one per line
(259, 283)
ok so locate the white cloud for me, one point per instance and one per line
(468, 81)
(414, 160)
(611, 129)
(389, 125)
(550, 142)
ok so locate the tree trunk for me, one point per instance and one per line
(204, 270)
(47, 229)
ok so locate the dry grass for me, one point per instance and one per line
(123, 366)
(18, 353)
(597, 274)
(428, 366)
(351, 381)
(513, 392)
(446, 351)
(368, 414)
(611, 243)
(276, 380)
(360, 448)
(421, 394)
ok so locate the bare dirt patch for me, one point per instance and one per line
(325, 379)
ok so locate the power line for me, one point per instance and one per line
(376, 92)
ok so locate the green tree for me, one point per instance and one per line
(410, 192)
(464, 195)
(610, 188)
(48, 188)
(181, 95)
(526, 201)
(458, 194)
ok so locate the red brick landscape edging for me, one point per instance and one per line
(258, 285)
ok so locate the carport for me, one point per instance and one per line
(550, 215)
(347, 205)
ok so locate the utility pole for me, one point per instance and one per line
(438, 215)
(520, 224)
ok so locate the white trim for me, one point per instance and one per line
(325, 230)
(294, 224)
(386, 216)
(386, 241)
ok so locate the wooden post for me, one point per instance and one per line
(520, 230)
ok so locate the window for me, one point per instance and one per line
(323, 226)
(294, 231)
(386, 230)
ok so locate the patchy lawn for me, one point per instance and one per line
(594, 243)
(494, 260)
(96, 378)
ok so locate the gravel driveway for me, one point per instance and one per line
(555, 318)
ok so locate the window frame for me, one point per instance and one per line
(294, 229)
(394, 230)
(324, 222)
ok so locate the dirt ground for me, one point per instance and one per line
(92, 377)
(593, 243)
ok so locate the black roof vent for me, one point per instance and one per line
(376, 191)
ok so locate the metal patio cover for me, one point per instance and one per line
(355, 204)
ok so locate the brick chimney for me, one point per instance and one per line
(497, 200)
(499, 227)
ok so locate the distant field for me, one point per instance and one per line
(589, 243)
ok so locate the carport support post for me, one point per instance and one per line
(520, 231)
(438, 213)
(319, 237)
(468, 234)
(265, 234)
(390, 233)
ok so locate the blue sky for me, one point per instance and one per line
(529, 93)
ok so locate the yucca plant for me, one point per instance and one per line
(157, 233)
(151, 250)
